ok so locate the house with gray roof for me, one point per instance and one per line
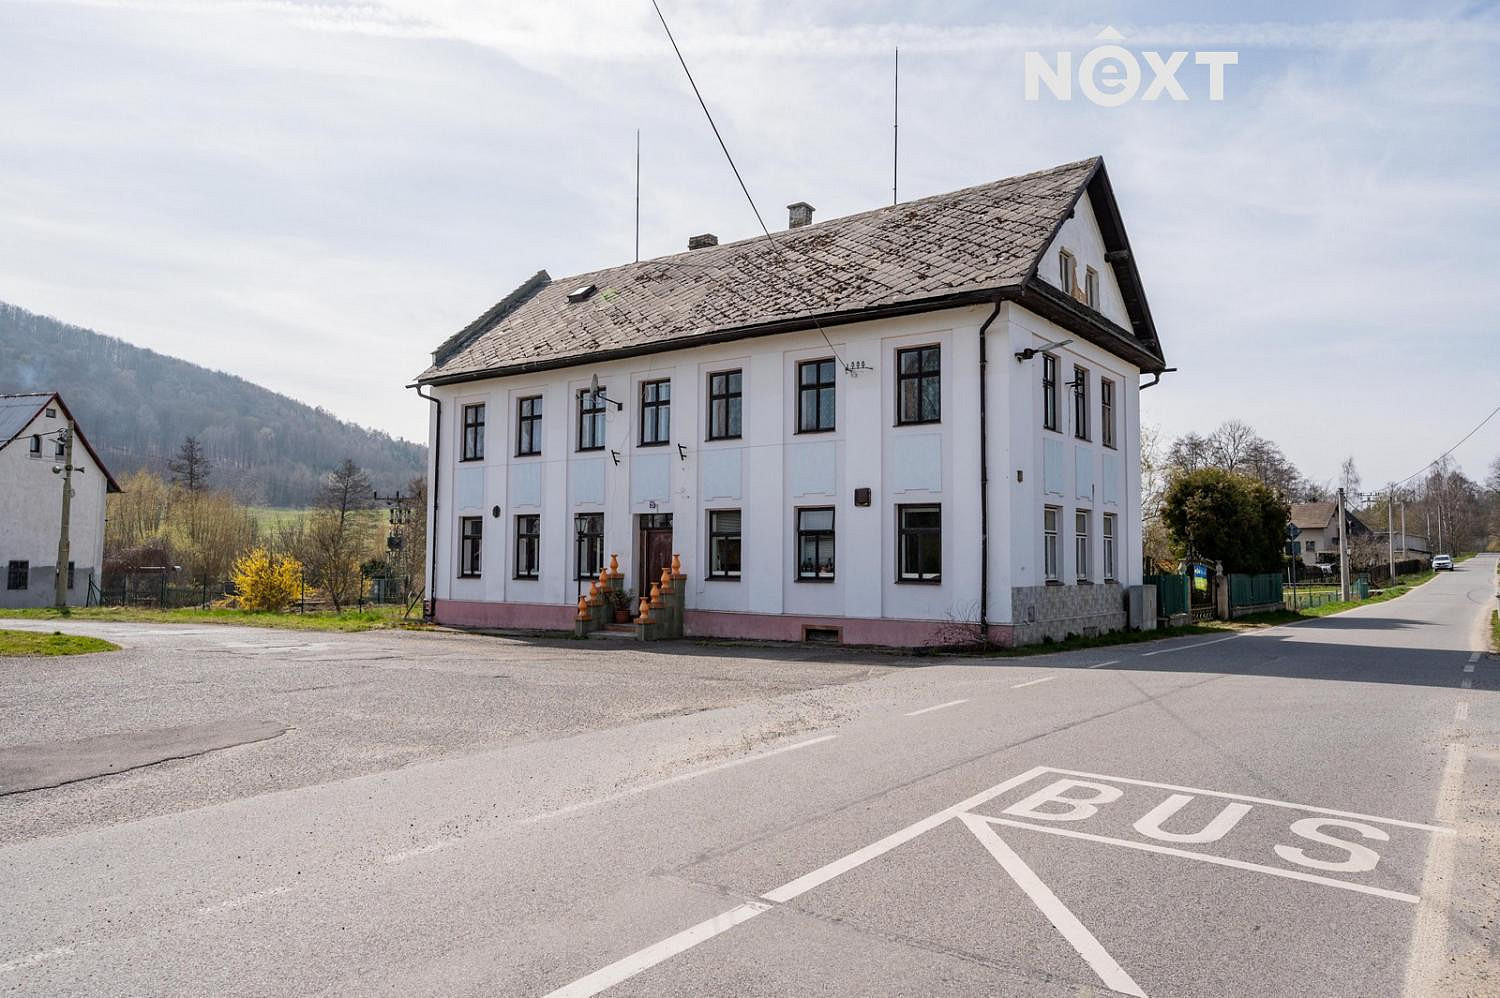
(33, 450)
(913, 425)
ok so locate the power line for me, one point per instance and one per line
(1450, 450)
(711, 124)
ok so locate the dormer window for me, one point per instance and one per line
(1091, 288)
(1067, 271)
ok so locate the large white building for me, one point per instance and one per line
(892, 428)
(31, 445)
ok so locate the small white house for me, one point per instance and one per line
(31, 445)
(902, 427)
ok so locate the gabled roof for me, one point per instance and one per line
(980, 244)
(1313, 515)
(18, 411)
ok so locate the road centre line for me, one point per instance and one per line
(1201, 644)
(929, 710)
(1469, 667)
(1396, 822)
(1100, 665)
(1066, 923)
(679, 778)
(1238, 864)
(650, 956)
(1033, 682)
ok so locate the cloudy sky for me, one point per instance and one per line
(314, 194)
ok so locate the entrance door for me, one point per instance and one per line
(656, 549)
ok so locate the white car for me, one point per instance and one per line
(1442, 563)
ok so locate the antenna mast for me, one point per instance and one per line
(637, 195)
(896, 125)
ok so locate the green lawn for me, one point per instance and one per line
(1495, 631)
(1404, 584)
(370, 619)
(32, 643)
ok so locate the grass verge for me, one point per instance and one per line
(28, 644)
(375, 618)
(1495, 631)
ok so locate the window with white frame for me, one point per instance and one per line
(1091, 287)
(656, 412)
(816, 406)
(1051, 570)
(725, 405)
(591, 419)
(1107, 412)
(1107, 533)
(1081, 546)
(1067, 271)
(919, 385)
(528, 426)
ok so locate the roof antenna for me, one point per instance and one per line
(637, 195)
(896, 125)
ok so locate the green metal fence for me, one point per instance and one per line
(1171, 594)
(1255, 590)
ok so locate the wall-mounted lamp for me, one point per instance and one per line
(1024, 355)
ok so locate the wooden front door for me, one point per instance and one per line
(656, 549)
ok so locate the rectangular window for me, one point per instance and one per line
(1107, 532)
(815, 544)
(1067, 271)
(656, 412)
(528, 425)
(588, 543)
(1081, 545)
(1080, 402)
(51, 413)
(528, 546)
(1091, 287)
(59, 448)
(1107, 411)
(36, 445)
(470, 546)
(19, 575)
(1049, 391)
(919, 385)
(1312, 546)
(473, 449)
(919, 543)
(70, 575)
(725, 405)
(590, 420)
(1049, 543)
(815, 396)
(724, 544)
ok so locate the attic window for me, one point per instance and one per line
(582, 294)
(51, 413)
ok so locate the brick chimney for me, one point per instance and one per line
(799, 214)
(702, 242)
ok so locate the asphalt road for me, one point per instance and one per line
(1308, 810)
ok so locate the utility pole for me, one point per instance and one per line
(1343, 553)
(1403, 529)
(1390, 531)
(60, 583)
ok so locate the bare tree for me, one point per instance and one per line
(339, 533)
(1349, 479)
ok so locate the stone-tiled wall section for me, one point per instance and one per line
(1058, 611)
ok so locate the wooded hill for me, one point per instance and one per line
(137, 405)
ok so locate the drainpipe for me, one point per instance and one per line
(437, 474)
(984, 481)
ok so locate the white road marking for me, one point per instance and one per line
(620, 970)
(35, 958)
(1254, 800)
(1461, 712)
(1474, 657)
(1044, 679)
(859, 857)
(1066, 923)
(929, 710)
(431, 847)
(680, 777)
(1427, 958)
(1238, 864)
(243, 899)
(1469, 667)
(1201, 644)
(1467, 684)
(1100, 665)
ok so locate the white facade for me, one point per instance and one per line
(31, 508)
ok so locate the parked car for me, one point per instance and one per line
(1442, 563)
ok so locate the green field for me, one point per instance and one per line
(375, 618)
(269, 518)
(30, 644)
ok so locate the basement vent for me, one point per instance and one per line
(822, 635)
(582, 294)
